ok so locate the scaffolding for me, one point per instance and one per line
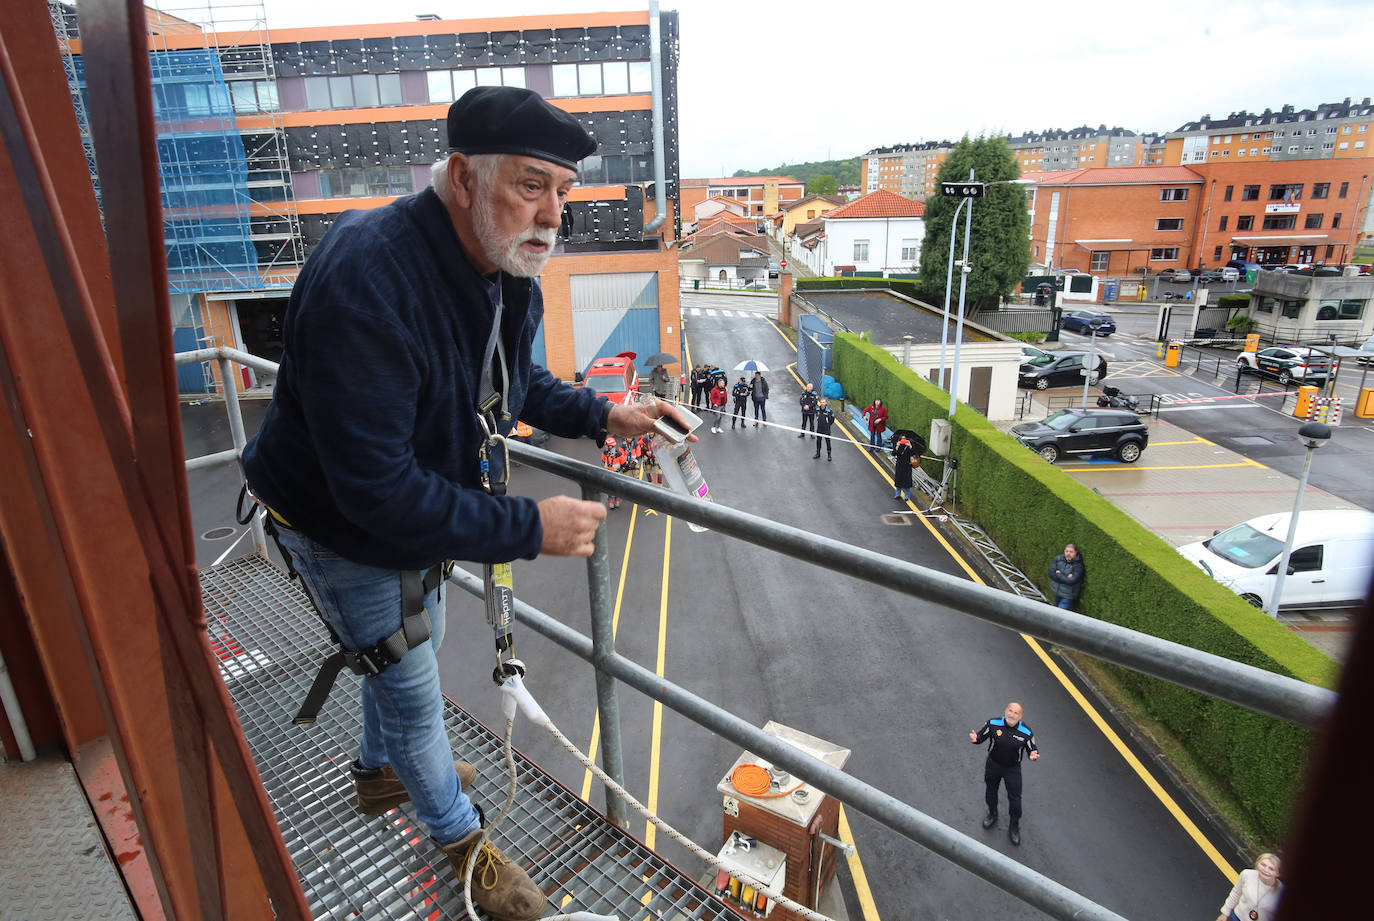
(64, 28)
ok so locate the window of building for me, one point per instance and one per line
(1226, 196)
(1245, 222)
(448, 85)
(360, 182)
(1343, 145)
(1285, 191)
(1279, 222)
(911, 250)
(1359, 145)
(1291, 309)
(608, 78)
(1169, 223)
(1345, 130)
(1264, 305)
(1345, 187)
(1313, 221)
(1250, 193)
(1173, 194)
(1241, 153)
(1254, 152)
(1226, 152)
(1328, 146)
(1363, 129)
(1216, 253)
(249, 96)
(1221, 225)
(1347, 309)
(1336, 221)
(1164, 254)
(1099, 261)
(860, 250)
(1214, 153)
(1293, 148)
(1330, 251)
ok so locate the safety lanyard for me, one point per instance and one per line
(497, 581)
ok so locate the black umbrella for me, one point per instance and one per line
(662, 358)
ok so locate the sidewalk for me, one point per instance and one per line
(1185, 488)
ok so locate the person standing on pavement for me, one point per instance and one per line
(1008, 739)
(660, 382)
(1066, 574)
(1256, 894)
(902, 454)
(717, 400)
(825, 418)
(741, 395)
(614, 458)
(699, 380)
(808, 410)
(875, 414)
(372, 481)
(758, 390)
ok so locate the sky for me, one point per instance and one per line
(763, 84)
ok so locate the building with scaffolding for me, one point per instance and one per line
(263, 140)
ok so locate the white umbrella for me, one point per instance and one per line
(752, 365)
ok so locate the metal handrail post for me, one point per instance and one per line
(603, 648)
(231, 406)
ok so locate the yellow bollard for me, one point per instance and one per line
(1306, 394)
(1159, 352)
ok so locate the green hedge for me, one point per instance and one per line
(901, 285)
(1233, 300)
(1135, 579)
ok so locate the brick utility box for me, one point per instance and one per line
(791, 823)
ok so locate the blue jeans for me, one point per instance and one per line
(1063, 603)
(759, 411)
(875, 438)
(403, 708)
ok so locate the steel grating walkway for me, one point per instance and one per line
(270, 644)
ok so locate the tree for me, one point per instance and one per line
(999, 250)
(824, 184)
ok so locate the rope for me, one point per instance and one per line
(518, 695)
(754, 780)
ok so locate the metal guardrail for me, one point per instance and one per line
(1245, 685)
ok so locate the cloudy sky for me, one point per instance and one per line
(763, 84)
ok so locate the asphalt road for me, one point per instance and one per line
(898, 680)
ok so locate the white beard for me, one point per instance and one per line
(503, 249)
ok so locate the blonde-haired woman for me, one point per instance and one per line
(1255, 896)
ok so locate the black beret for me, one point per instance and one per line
(512, 120)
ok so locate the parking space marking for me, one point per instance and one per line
(1097, 468)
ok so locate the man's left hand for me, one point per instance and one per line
(637, 418)
(1035, 756)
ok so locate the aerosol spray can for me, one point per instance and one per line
(680, 470)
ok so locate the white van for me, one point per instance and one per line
(1331, 565)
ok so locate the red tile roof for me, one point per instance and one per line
(881, 203)
(737, 181)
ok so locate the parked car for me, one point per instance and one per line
(1330, 565)
(1227, 274)
(1031, 352)
(615, 378)
(1086, 431)
(1287, 363)
(1366, 352)
(1059, 369)
(1179, 275)
(1080, 321)
(1362, 268)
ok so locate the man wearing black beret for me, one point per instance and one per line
(407, 340)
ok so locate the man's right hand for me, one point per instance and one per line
(973, 736)
(569, 525)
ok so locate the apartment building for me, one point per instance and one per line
(763, 196)
(1078, 148)
(268, 137)
(909, 170)
(1340, 130)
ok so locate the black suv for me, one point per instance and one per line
(1086, 431)
(1058, 369)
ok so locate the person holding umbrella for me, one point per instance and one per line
(659, 380)
(758, 389)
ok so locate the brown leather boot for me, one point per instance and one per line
(500, 888)
(381, 790)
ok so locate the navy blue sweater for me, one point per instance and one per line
(370, 444)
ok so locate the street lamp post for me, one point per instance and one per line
(964, 269)
(1313, 435)
(1090, 367)
(949, 285)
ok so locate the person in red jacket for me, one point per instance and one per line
(875, 414)
(613, 457)
(717, 397)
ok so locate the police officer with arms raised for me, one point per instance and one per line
(407, 337)
(1008, 739)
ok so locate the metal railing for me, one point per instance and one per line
(1247, 686)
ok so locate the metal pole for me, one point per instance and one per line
(949, 283)
(1273, 609)
(231, 406)
(603, 648)
(959, 325)
(1091, 364)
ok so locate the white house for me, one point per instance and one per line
(881, 232)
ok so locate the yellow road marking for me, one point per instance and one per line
(651, 832)
(1190, 441)
(1143, 772)
(856, 871)
(1106, 467)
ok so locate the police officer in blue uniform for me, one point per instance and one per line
(1008, 739)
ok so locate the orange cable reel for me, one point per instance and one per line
(756, 781)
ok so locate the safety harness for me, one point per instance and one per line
(416, 627)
